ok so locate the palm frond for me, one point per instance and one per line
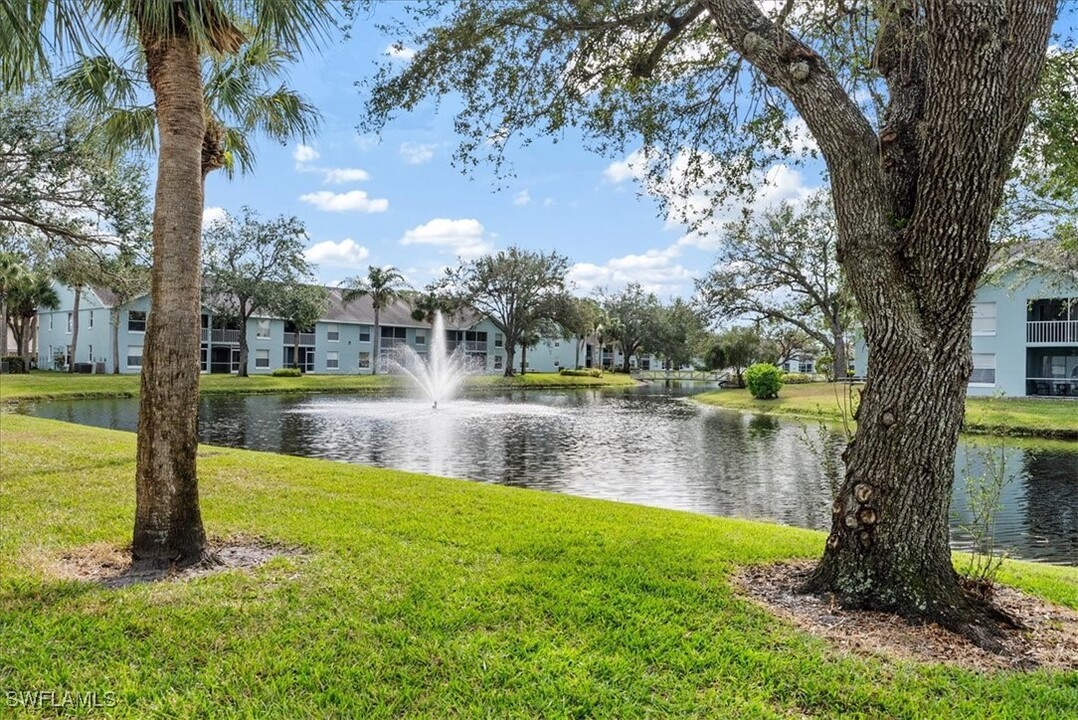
(99, 84)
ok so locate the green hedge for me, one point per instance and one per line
(14, 363)
(287, 372)
(796, 379)
(581, 372)
(764, 380)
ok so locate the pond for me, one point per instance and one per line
(653, 446)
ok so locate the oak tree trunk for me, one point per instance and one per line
(115, 317)
(168, 523)
(244, 351)
(523, 359)
(838, 355)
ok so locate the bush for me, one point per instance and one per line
(287, 372)
(13, 364)
(764, 380)
(796, 379)
(581, 372)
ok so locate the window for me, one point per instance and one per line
(984, 369)
(396, 333)
(333, 360)
(420, 339)
(91, 351)
(136, 321)
(364, 360)
(333, 332)
(499, 340)
(69, 321)
(91, 319)
(984, 318)
(52, 316)
(365, 333)
(134, 356)
(263, 332)
(262, 358)
(497, 362)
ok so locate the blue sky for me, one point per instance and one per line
(397, 200)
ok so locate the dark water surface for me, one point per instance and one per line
(653, 446)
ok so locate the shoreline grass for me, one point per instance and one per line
(1024, 417)
(42, 385)
(429, 597)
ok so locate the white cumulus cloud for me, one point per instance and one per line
(631, 168)
(463, 237)
(416, 153)
(352, 201)
(305, 154)
(213, 215)
(522, 198)
(398, 51)
(346, 253)
(657, 271)
(338, 176)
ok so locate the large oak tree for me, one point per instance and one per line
(917, 107)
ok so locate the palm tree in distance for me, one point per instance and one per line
(11, 273)
(383, 285)
(173, 40)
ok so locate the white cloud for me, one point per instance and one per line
(212, 215)
(657, 271)
(522, 198)
(398, 51)
(338, 176)
(354, 200)
(346, 253)
(631, 168)
(548, 202)
(463, 237)
(305, 154)
(416, 153)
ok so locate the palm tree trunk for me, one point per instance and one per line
(75, 329)
(168, 523)
(3, 323)
(244, 350)
(377, 342)
(31, 344)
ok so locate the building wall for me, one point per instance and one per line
(1011, 296)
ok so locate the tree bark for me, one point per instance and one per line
(168, 523)
(115, 317)
(523, 359)
(75, 328)
(244, 350)
(3, 322)
(838, 353)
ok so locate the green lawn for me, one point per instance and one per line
(425, 597)
(1017, 416)
(43, 385)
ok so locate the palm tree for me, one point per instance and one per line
(173, 40)
(31, 293)
(383, 285)
(11, 272)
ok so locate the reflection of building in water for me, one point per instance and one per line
(1051, 500)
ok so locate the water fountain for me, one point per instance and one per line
(440, 373)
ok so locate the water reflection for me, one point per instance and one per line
(653, 447)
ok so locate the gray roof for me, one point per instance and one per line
(358, 311)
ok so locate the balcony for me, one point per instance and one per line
(218, 336)
(1052, 332)
(304, 339)
(470, 346)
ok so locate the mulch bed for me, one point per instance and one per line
(1049, 640)
(110, 565)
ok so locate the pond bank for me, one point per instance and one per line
(424, 596)
(52, 385)
(1025, 417)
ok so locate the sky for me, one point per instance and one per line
(395, 199)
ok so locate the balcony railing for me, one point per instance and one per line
(1052, 331)
(220, 336)
(304, 339)
(470, 346)
(387, 343)
(1058, 387)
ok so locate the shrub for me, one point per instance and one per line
(796, 379)
(581, 372)
(287, 372)
(764, 380)
(13, 364)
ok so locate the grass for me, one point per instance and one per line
(49, 385)
(1016, 416)
(425, 597)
